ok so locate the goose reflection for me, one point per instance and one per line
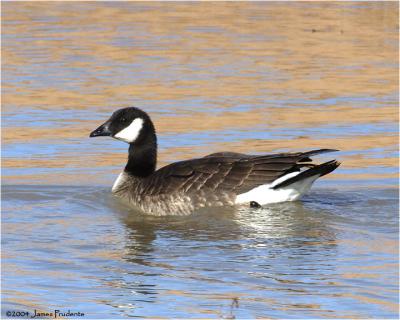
(284, 248)
(287, 225)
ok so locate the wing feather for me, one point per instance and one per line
(225, 172)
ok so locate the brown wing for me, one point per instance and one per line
(226, 171)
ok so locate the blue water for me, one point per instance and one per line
(300, 75)
(79, 248)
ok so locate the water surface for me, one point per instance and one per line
(245, 77)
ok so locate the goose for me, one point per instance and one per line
(218, 179)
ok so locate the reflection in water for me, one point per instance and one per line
(251, 77)
(275, 262)
(284, 243)
(283, 220)
(246, 77)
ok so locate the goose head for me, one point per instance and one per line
(130, 125)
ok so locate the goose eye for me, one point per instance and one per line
(123, 119)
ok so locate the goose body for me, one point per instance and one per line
(218, 179)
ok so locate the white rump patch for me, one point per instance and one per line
(264, 194)
(131, 132)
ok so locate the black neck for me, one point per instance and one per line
(142, 158)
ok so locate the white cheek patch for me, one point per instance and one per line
(131, 132)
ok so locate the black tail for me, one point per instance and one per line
(319, 151)
(319, 170)
(308, 154)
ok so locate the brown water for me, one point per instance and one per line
(247, 77)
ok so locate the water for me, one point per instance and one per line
(244, 77)
(77, 247)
